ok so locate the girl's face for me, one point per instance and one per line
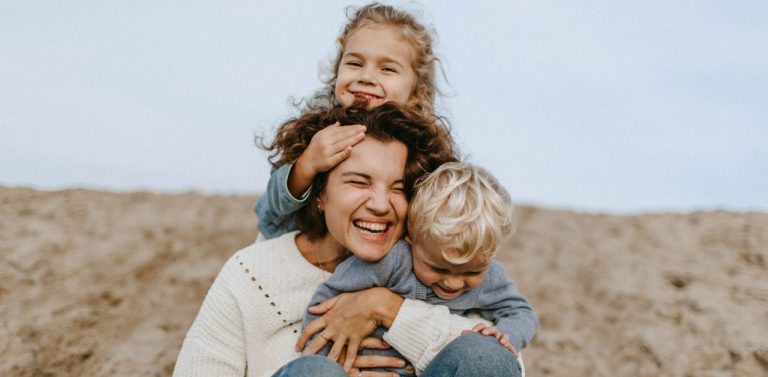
(364, 202)
(376, 67)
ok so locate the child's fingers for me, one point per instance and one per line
(478, 327)
(339, 157)
(345, 138)
(490, 330)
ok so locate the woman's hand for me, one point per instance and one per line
(346, 320)
(374, 361)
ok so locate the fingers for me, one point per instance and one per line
(374, 343)
(323, 307)
(378, 361)
(504, 341)
(337, 348)
(478, 327)
(354, 372)
(311, 329)
(316, 345)
(352, 347)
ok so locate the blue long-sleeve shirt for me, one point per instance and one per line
(496, 298)
(276, 207)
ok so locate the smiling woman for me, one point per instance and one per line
(252, 314)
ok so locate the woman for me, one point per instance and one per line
(251, 317)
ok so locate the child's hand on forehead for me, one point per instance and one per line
(329, 147)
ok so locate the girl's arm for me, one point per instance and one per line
(275, 207)
(289, 185)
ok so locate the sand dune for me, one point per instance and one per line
(105, 284)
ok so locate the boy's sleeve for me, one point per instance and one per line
(353, 274)
(502, 303)
(275, 207)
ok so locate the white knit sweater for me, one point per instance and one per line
(251, 317)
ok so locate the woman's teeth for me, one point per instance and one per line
(371, 227)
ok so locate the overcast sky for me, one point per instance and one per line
(616, 106)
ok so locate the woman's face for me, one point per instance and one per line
(364, 201)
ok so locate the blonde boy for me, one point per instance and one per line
(458, 218)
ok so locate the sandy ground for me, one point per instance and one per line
(105, 284)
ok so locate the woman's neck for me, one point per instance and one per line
(324, 253)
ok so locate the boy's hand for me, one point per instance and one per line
(328, 148)
(492, 331)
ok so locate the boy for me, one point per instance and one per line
(458, 218)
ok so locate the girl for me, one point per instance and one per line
(384, 55)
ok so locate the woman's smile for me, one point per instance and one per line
(364, 202)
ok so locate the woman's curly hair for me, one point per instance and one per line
(427, 140)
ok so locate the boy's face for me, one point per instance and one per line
(375, 68)
(446, 279)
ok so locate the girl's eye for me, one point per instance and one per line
(389, 69)
(354, 63)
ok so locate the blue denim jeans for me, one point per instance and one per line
(311, 366)
(471, 355)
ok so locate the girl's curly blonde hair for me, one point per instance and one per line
(420, 38)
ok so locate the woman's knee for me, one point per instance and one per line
(474, 355)
(310, 366)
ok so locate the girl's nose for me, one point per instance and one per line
(365, 76)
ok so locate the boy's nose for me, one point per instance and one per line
(453, 283)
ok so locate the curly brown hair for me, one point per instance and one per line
(427, 140)
(420, 37)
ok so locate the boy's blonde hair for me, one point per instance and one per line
(418, 36)
(464, 208)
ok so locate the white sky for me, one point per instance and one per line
(617, 106)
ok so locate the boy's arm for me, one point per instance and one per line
(353, 274)
(501, 302)
(275, 207)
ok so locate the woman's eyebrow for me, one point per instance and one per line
(357, 174)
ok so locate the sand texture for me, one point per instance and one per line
(106, 284)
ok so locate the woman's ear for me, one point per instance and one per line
(319, 202)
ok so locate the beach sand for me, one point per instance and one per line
(106, 284)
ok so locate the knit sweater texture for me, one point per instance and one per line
(250, 319)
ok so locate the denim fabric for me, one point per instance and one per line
(474, 355)
(276, 207)
(311, 366)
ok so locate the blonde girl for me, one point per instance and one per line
(384, 55)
